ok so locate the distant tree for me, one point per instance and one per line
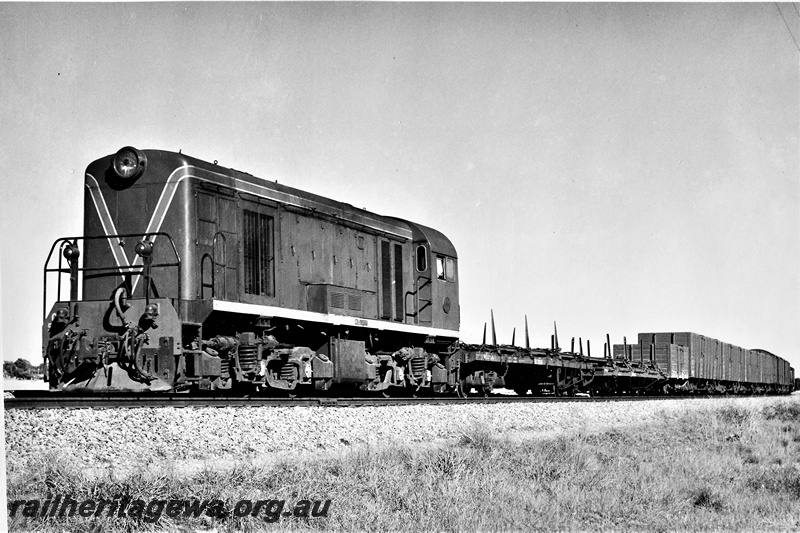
(19, 369)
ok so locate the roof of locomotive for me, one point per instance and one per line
(170, 161)
(438, 242)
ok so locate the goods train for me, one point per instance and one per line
(194, 277)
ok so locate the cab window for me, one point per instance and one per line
(450, 269)
(445, 268)
(422, 259)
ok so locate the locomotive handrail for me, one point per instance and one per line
(112, 270)
(416, 293)
(203, 284)
(223, 264)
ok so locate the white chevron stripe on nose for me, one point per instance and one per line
(106, 221)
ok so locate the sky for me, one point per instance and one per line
(615, 168)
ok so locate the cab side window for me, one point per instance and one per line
(445, 268)
(450, 269)
(440, 274)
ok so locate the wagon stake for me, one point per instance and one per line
(527, 339)
(555, 336)
(494, 334)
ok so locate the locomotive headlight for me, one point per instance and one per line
(144, 249)
(129, 163)
(151, 312)
(72, 252)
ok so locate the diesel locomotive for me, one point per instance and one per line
(192, 276)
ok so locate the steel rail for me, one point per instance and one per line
(39, 400)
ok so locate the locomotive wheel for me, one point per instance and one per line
(463, 389)
(521, 392)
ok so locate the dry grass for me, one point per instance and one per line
(731, 468)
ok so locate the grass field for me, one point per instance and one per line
(731, 468)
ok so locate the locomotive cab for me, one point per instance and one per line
(435, 290)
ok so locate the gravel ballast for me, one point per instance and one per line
(148, 437)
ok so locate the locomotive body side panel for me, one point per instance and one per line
(213, 213)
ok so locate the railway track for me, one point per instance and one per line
(40, 400)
